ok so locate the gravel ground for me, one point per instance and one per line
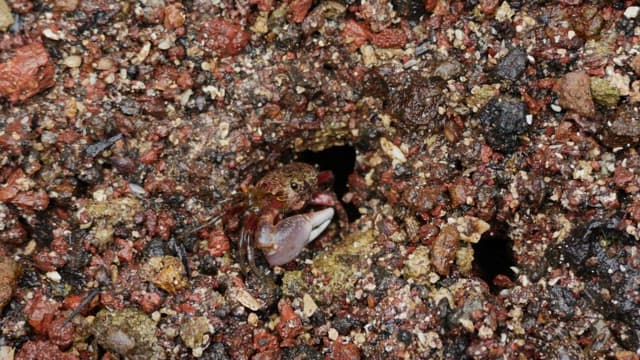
(486, 154)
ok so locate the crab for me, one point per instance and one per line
(269, 224)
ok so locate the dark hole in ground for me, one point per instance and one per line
(493, 255)
(341, 160)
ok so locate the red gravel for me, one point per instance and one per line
(485, 151)
(27, 73)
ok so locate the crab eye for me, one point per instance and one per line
(294, 185)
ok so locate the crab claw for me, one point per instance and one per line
(291, 234)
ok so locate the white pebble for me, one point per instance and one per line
(165, 44)
(632, 12)
(155, 316)
(252, 319)
(54, 276)
(309, 306)
(50, 34)
(393, 151)
(137, 189)
(556, 108)
(245, 298)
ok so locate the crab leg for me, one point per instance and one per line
(284, 241)
(247, 256)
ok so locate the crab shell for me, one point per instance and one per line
(290, 186)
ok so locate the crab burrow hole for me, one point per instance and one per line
(341, 160)
(493, 255)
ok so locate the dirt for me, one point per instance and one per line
(485, 152)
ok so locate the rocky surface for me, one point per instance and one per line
(485, 151)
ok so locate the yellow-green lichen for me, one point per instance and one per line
(341, 267)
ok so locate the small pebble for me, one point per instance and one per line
(54, 276)
(252, 319)
(405, 336)
(50, 34)
(333, 334)
(104, 64)
(5, 16)
(394, 152)
(309, 305)
(72, 61)
(632, 12)
(7, 352)
(245, 298)
(165, 44)
(137, 189)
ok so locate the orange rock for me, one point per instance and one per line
(40, 349)
(355, 34)
(224, 37)
(290, 324)
(173, 16)
(28, 72)
(38, 200)
(40, 312)
(264, 341)
(218, 243)
(340, 351)
(390, 38)
(298, 10)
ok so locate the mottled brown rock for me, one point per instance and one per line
(11, 229)
(148, 301)
(416, 100)
(28, 72)
(38, 200)
(224, 37)
(422, 198)
(635, 64)
(290, 324)
(61, 332)
(40, 312)
(574, 90)
(264, 341)
(193, 331)
(355, 34)
(444, 249)
(458, 192)
(40, 349)
(9, 273)
(128, 332)
(588, 22)
(389, 38)
(341, 351)
(173, 16)
(298, 9)
(48, 261)
(488, 6)
(65, 5)
(624, 128)
(166, 272)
